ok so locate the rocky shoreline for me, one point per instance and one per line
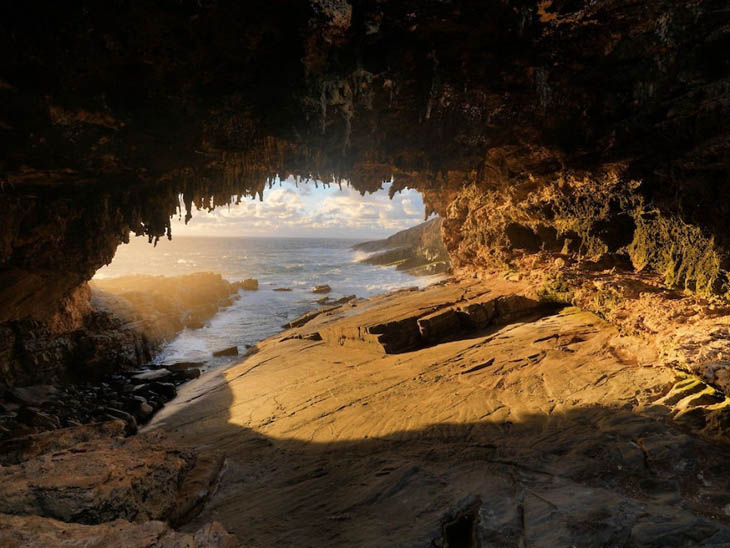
(513, 420)
(104, 371)
(493, 394)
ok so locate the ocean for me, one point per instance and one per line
(296, 263)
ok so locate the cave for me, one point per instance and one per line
(572, 157)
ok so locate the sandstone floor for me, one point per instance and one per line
(550, 429)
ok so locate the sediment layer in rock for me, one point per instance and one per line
(546, 430)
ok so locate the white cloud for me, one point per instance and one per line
(310, 211)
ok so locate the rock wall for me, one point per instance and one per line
(587, 129)
(109, 326)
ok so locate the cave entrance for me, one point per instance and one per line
(236, 274)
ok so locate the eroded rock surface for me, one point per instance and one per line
(37, 532)
(92, 475)
(547, 430)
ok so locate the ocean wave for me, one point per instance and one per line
(360, 256)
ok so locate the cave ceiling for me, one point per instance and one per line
(111, 110)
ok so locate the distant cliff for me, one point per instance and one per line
(418, 250)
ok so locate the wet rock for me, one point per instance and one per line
(39, 532)
(129, 420)
(249, 284)
(343, 300)
(188, 374)
(306, 318)
(282, 289)
(166, 389)
(324, 288)
(152, 375)
(231, 351)
(145, 411)
(182, 366)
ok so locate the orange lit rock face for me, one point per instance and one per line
(548, 429)
(497, 113)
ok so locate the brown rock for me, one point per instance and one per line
(232, 351)
(511, 307)
(182, 366)
(152, 375)
(33, 416)
(324, 288)
(188, 374)
(477, 313)
(135, 478)
(249, 284)
(18, 450)
(439, 325)
(40, 532)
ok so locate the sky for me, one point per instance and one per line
(309, 211)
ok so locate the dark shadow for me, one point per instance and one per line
(589, 476)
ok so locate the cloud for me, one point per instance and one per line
(306, 210)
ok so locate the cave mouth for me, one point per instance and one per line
(296, 248)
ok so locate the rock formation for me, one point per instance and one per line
(536, 427)
(418, 250)
(591, 128)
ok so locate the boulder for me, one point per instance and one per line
(232, 351)
(144, 411)
(182, 366)
(129, 420)
(152, 375)
(166, 389)
(282, 289)
(324, 288)
(249, 284)
(188, 374)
